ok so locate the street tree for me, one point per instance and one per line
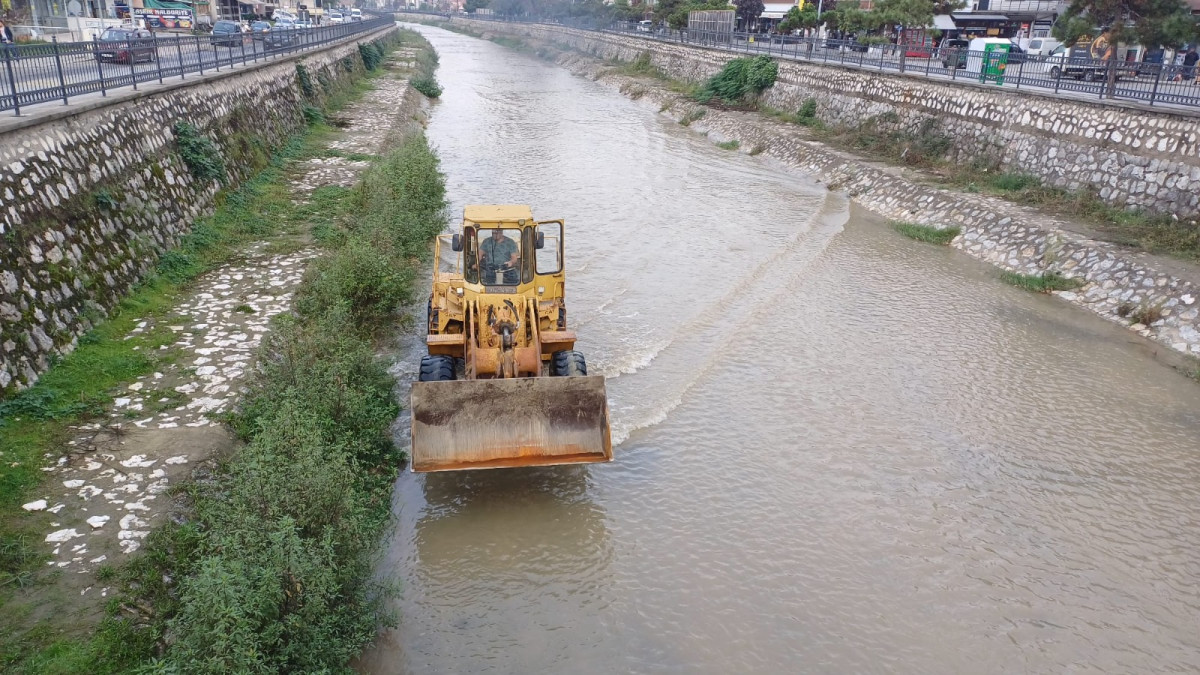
(749, 11)
(1150, 23)
(799, 17)
(472, 5)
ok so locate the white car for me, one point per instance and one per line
(356, 15)
(335, 17)
(644, 26)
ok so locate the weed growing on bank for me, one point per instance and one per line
(1156, 233)
(931, 235)
(730, 145)
(199, 153)
(424, 81)
(1047, 282)
(639, 67)
(691, 116)
(739, 81)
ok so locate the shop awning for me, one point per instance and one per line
(944, 22)
(976, 17)
(775, 10)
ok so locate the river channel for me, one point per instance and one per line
(840, 451)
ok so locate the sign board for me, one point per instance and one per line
(165, 19)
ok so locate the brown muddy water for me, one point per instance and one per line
(840, 450)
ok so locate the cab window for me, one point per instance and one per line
(499, 256)
(548, 260)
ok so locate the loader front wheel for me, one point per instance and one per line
(436, 369)
(569, 363)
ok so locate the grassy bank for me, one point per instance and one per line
(81, 387)
(278, 580)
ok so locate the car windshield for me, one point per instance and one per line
(226, 26)
(260, 25)
(495, 257)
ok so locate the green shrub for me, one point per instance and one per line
(808, 110)
(427, 85)
(739, 80)
(730, 145)
(199, 153)
(372, 55)
(1015, 182)
(105, 199)
(305, 81)
(313, 114)
(362, 276)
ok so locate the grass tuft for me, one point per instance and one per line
(730, 145)
(1147, 314)
(927, 233)
(1047, 282)
(691, 116)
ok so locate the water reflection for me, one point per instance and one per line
(499, 564)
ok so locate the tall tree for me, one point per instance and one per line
(1151, 23)
(749, 11)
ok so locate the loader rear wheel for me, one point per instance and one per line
(436, 369)
(569, 363)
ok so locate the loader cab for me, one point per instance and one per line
(498, 255)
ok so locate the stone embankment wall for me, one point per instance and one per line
(91, 196)
(1010, 236)
(1131, 155)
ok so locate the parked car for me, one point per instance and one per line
(259, 29)
(227, 34)
(335, 17)
(954, 53)
(280, 37)
(126, 45)
(1077, 63)
(356, 15)
(1041, 46)
(644, 26)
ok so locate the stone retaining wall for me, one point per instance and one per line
(1130, 154)
(90, 199)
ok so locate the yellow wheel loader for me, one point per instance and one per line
(502, 385)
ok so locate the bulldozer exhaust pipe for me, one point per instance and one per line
(507, 423)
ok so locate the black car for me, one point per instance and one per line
(126, 45)
(227, 34)
(259, 29)
(281, 37)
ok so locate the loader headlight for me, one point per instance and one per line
(541, 289)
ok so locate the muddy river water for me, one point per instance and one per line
(839, 450)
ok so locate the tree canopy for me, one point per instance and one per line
(1151, 23)
(749, 10)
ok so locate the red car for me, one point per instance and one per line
(124, 45)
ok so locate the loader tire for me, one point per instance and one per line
(569, 363)
(436, 369)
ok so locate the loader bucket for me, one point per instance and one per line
(504, 423)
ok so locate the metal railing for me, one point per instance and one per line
(1072, 76)
(1077, 76)
(60, 70)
